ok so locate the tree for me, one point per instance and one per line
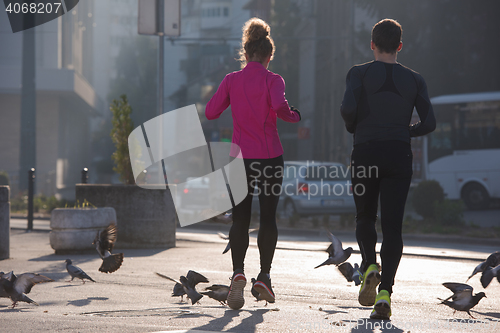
(283, 22)
(122, 127)
(453, 44)
(137, 76)
(4, 178)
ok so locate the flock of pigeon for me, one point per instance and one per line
(16, 287)
(462, 298)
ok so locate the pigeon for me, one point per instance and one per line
(191, 292)
(349, 272)
(489, 274)
(255, 293)
(492, 261)
(228, 246)
(104, 242)
(178, 288)
(218, 292)
(194, 278)
(337, 254)
(188, 285)
(224, 218)
(15, 287)
(76, 272)
(462, 299)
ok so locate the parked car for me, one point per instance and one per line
(314, 188)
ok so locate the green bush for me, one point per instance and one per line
(294, 219)
(325, 220)
(4, 178)
(425, 195)
(449, 213)
(122, 127)
(41, 203)
(19, 203)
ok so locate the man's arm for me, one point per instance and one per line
(425, 112)
(352, 96)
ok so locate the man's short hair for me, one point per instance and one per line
(386, 35)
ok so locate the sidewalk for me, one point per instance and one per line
(134, 299)
(316, 240)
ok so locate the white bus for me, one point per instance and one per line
(463, 153)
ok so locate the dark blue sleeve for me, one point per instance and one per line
(352, 96)
(425, 112)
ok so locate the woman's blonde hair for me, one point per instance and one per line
(256, 41)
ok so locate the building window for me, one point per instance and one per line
(226, 11)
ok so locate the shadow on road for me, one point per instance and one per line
(248, 324)
(490, 314)
(86, 301)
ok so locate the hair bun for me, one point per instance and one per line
(257, 29)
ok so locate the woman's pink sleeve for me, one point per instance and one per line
(279, 102)
(219, 101)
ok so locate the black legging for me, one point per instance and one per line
(267, 175)
(389, 176)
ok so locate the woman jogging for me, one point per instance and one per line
(377, 107)
(257, 99)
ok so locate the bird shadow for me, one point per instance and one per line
(86, 301)
(331, 312)
(490, 314)
(187, 311)
(354, 307)
(247, 324)
(16, 309)
(76, 257)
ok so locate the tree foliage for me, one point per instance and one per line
(137, 76)
(283, 22)
(453, 44)
(426, 196)
(122, 127)
(4, 178)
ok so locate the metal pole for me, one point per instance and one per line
(85, 176)
(161, 54)
(161, 77)
(28, 107)
(31, 193)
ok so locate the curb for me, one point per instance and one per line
(322, 233)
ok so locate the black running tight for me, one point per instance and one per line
(267, 176)
(381, 168)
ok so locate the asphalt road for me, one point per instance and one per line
(134, 299)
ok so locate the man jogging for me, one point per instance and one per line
(377, 108)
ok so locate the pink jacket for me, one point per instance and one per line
(257, 98)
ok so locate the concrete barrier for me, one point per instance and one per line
(74, 229)
(146, 218)
(4, 222)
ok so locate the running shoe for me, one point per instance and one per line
(235, 298)
(370, 281)
(382, 308)
(263, 287)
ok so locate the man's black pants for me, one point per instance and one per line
(381, 169)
